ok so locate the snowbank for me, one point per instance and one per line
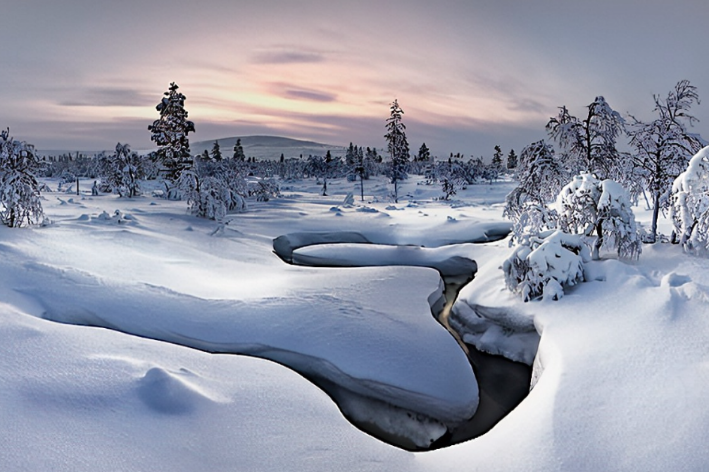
(449, 261)
(80, 398)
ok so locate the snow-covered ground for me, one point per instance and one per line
(621, 375)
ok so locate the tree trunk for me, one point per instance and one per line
(655, 215)
(361, 186)
(596, 254)
(647, 202)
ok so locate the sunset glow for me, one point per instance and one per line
(467, 74)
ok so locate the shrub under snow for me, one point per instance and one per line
(545, 265)
(690, 205)
(19, 188)
(544, 262)
(587, 206)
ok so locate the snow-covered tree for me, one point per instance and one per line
(19, 189)
(349, 160)
(264, 189)
(452, 177)
(664, 145)
(238, 151)
(424, 153)
(587, 205)
(512, 160)
(321, 168)
(170, 132)
(589, 144)
(398, 147)
(546, 264)
(212, 189)
(122, 171)
(690, 205)
(496, 165)
(362, 167)
(541, 177)
(216, 151)
(328, 165)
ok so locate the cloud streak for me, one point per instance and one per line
(105, 97)
(288, 57)
(311, 95)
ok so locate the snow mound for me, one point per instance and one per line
(118, 217)
(169, 392)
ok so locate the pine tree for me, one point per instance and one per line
(216, 151)
(350, 164)
(238, 151)
(19, 188)
(362, 167)
(424, 153)
(512, 160)
(327, 167)
(496, 165)
(398, 147)
(372, 155)
(170, 132)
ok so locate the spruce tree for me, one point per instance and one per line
(398, 147)
(512, 160)
(424, 153)
(496, 164)
(170, 132)
(238, 151)
(216, 151)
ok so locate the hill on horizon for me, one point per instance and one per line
(268, 147)
(257, 146)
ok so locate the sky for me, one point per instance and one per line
(469, 75)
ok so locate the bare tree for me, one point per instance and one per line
(664, 146)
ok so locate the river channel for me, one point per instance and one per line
(502, 383)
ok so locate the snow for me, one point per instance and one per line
(80, 398)
(448, 261)
(621, 365)
(313, 320)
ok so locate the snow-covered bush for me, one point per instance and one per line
(577, 205)
(546, 261)
(213, 189)
(19, 189)
(617, 220)
(587, 206)
(264, 189)
(690, 205)
(545, 264)
(530, 219)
